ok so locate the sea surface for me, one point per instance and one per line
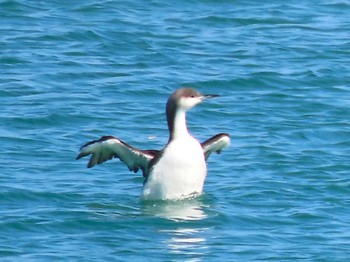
(73, 71)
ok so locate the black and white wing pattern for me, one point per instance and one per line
(108, 147)
(215, 144)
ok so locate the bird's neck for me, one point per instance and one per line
(177, 124)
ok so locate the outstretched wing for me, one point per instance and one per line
(215, 144)
(108, 147)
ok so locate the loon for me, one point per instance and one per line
(179, 169)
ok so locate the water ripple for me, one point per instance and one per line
(76, 71)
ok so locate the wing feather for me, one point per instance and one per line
(108, 147)
(215, 144)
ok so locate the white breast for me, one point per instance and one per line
(180, 172)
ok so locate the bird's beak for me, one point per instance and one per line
(209, 96)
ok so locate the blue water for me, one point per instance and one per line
(72, 71)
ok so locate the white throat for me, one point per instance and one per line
(180, 126)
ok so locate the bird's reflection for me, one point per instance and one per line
(181, 210)
(186, 241)
(187, 236)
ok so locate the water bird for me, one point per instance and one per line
(179, 169)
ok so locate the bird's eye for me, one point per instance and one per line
(192, 96)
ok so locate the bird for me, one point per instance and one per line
(178, 170)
